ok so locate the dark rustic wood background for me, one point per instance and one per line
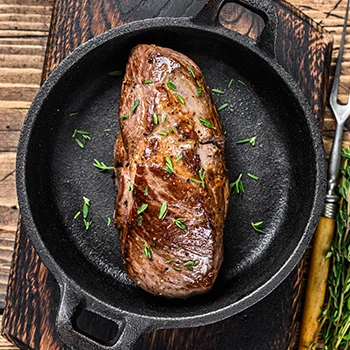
(24, 24)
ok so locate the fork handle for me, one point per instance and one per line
(316, 283)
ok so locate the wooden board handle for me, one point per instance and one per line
(316, 283)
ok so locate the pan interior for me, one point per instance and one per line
(59, 173)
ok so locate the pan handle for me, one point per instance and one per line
(130, 328)
(209, 15)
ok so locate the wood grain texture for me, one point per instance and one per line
(33, 294)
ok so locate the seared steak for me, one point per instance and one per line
(171, 175)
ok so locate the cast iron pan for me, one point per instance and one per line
(53, 174)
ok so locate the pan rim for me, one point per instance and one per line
(320, 177)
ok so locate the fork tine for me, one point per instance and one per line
(335, 87)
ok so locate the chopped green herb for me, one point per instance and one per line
(82, 132)
(237, 186)
(201, 176)
(241, 82)
(251, 140)
(230, 83)
(254, 177)
(171, 85)
(74, 132)
(135, 105)
(148, 252)
(107, 130)
(167, 261)
(178, 158)
(108, 221)
(198, 83)
(182, 101)
(177, 268)
(73, 113)
(163, 118)
(101, 166)
(169, 166)
(257, 226)
(191, 71)
(148, 81)
(222, 107)
(218, 91)
(116, 73)
(142, 208)
(155, 118)
(80, 144)
(145, 192)
(180, 224)
(170, 129)
(199, 91)
(77, 214)
(178, 248)
(86, 206)
(162, 210)
(206, 123)
(124, 116)
(163, 133)
(139, 221)
(87, 224)
(131, 189)
(191, 264)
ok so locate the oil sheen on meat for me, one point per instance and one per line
(171, 175)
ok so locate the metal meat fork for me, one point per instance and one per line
(319, 266)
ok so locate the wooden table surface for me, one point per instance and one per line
(24, 26)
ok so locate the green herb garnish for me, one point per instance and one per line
(148, 252)
(155, 118)
(222, 107)
(87, 224)
(101, 166)
(163, 133)
(162, 210)
(241, 82)
(201, 176)
(73, 113)
(163, 118)
(148, 81)
(180, 224)
(124, 116)
(206, 123)
(116, 73)
(131, 189)
(80, 144)
(191, 264)
(142, 208)
(170, 129)
(254, 177)
(169, 166)
(177, 268)
(237, 186)
(257, 226)
(135, 105)
(251, 140)
(199, 91)
(145, 192)
(108, 221)
(218, 91)
(139, 221)
(77, 214)
(191, 71)
(230, 83)
(178, 158)
(86, 206)
(167, 261)
(181, 100)
(107, 130)
(171, 85)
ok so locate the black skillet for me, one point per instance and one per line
(53, 175)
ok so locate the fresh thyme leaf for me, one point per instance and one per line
(135, 105)
(167, 261)
(230, 83)
(237, 186)
(145, 192)
(73, 113)
(180, 224)
(162, 210)
(222, 107)
(201, 175)
(171, 85)
(107, 130)
(77, 214)
(155, 119)
(86, 206)
(124, 116)
(74, 132)
(191, 71)
(251, 140)
(87, 224)
(108, 221)
(82, 132)
(241, 82)
(178, 158)
(163, 133)
(116, 73)
(148, 81)
(254, 177)
(182, 101)
(170, 129)
(80, 144)
(139, 221)
(218, 91)
(178, 248)
(198, 83)
(191, 264)
(206, 123)
(163, 118)
(169, 165)
(177, 268)
(148, 252)
(257, 226)
(101, 166)
(142, 208)
(199, 91)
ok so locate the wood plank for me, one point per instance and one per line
(22, 33)
(25, 9)
(21, 61)
(27, 2)
(24, 26)
(8, 196)
(9, 140)
(20, 76)
(17, 92)
(11, 119)
(14, 104)
(32, 50)
(14, 18)
(41, 41)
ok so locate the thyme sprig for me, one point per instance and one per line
(84, 136)
(101, 166)
(237, 186)
(180, 224)
(257, 226)
(169, 166)
(251, 140)
(201, 175)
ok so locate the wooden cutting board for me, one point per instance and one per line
(304, 50)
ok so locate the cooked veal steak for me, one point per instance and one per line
(171, 175)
